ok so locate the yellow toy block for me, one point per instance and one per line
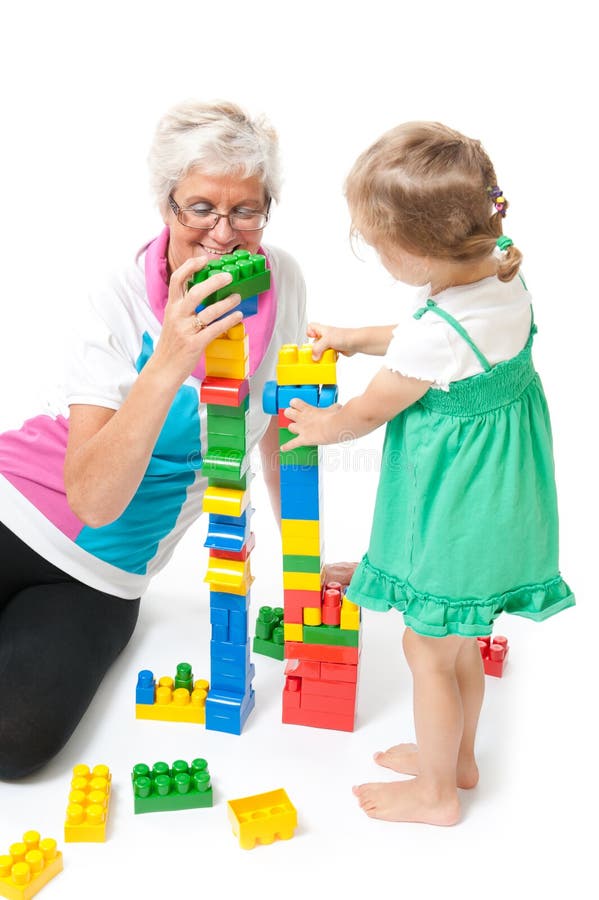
(350, 615)
(293, 632)
(225, 501)
(231, 575)
(301, 581)
(28, 866)
(227, 349)
(301, 537)
(296, 366)
(89, 800)
(312, 616)
(263, 818)
(218, 367)
(236, 333)
(176, 705)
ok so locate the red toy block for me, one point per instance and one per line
(296, 598)
(293, 615)
(284, 422)
(330, 671)
(294, 716)
(304, 668)
(342, 690)
(224, 391)
(321, 652)
(494, 652)
(331, 606)
(240, 555)
(315, 703)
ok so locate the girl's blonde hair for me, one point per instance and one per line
(425, 188)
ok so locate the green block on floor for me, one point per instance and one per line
(293, 563)
(331, 636)
(269, 648)
(164, 789)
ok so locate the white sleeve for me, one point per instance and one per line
(419, 348)
(99, 370)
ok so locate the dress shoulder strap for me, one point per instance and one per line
(432, 307)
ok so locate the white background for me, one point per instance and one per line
(82, 88)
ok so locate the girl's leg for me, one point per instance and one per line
(432, 795)
(57, 642)
(471, 682)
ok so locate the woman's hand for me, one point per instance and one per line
(327, 336)
(185, 335)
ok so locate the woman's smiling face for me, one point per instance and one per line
(223, 194)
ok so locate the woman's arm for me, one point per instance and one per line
(388, 394)
(108, 451)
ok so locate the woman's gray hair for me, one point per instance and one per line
(220, 139)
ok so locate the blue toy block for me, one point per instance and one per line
(220, 632)
(328, 395)
(227, 712)
(249, 307)
(226, 651)
(270, 398)
(145, 690)
(221, 600)
(219, 616)
(226, 677)
(306, 392)
(228, 532)
(299, 476)
(301, 503)
(238, 626)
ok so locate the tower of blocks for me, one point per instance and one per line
(321, 627)
(225, 463)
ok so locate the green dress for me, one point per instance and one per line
(465, 524)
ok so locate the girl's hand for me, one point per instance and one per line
(185, 335)
(309, 424)
(326, 336)
(340, 571)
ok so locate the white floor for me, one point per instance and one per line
(524, 828)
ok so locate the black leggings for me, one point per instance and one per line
(58, 638)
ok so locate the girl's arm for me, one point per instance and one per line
(388, 394)
(373, 340)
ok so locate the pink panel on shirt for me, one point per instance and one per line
(35, 452)
(259, 328)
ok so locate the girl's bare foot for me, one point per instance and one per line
(404, 758)
(407, 801)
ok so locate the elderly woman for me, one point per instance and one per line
(93, 505)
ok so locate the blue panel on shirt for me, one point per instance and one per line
(132, 540)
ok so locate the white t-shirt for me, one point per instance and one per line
(495, 314)
(117, 335)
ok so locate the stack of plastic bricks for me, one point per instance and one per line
(227, 499)
(321, 627)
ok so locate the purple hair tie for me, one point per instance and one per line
(499, 201)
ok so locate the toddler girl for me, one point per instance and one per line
(465, 524)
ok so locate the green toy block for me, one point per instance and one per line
(331, 635)
(250, 275)
(184, 677)
(225, 464)
(301, 456)
(269, 639)
(161, 789)
(240, 485)
(228, 441)
(231, 412)
(270, 648)
(296, 563)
